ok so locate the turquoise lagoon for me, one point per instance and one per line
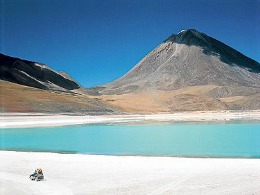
(186, 140)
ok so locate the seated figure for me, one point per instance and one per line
(37, 175)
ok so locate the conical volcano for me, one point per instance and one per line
(189, 58)
(188, 61)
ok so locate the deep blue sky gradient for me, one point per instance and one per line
(98, 41)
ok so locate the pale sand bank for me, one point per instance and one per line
(41, 120)
(90, 174)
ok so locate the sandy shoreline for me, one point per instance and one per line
(90, 174)
(43, 120)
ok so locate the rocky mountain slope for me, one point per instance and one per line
(188, 71)
(33, 87)
(189, 58)
(34, 74)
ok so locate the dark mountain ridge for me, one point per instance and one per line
(28, 86)
(34, 74)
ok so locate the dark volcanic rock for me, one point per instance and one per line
(34, 74)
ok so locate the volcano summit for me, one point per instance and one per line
(191, 71)
(189, 58)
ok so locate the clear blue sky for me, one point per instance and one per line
(98, 41)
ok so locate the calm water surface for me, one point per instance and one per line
(190, 140)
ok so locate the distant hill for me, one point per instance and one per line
(34, 74)
(188, 71)
(33, 87)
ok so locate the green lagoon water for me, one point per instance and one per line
(189, 140)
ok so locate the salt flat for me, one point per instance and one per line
(91, 174)
(20, 120)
